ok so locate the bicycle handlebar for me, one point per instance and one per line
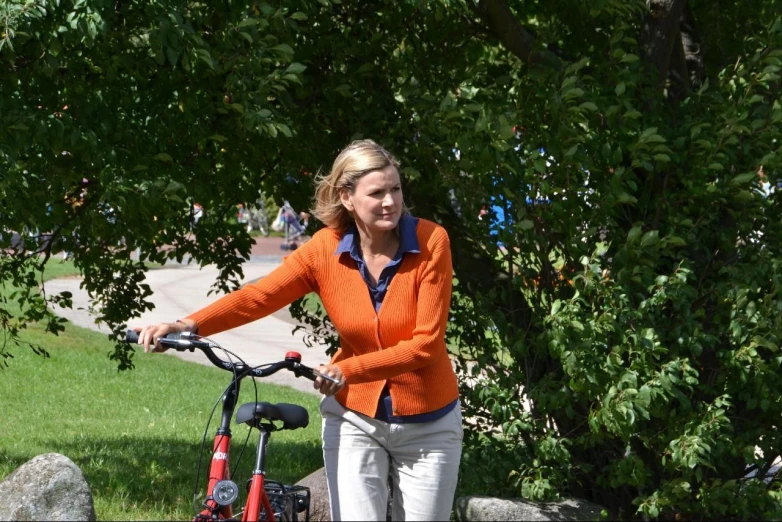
(187, 341)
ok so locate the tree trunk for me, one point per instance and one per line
(659, 37)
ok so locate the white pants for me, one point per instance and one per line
(423, 460)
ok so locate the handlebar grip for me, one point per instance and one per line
(131, 336)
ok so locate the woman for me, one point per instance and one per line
(384, 278)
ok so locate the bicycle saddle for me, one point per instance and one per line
(291, 415)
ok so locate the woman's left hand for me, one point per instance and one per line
(327, 387)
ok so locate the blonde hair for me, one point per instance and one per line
(354, 162)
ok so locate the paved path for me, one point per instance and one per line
(182, 289)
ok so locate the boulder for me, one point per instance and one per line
(489, 508)
(48, 487)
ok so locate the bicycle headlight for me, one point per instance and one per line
(225, 492)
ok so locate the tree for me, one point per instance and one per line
(617, 329)
(156, 107)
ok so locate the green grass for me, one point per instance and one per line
(136, 435)
(59, 268)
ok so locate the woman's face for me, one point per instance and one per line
(377, 200)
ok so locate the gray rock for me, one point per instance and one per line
(488, 508)
(48, 487)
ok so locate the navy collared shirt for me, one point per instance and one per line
(408, 244)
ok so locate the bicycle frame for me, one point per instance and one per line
(221, 451)
(219, 468)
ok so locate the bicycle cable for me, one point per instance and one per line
(235, 468)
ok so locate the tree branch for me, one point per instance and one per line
(510, 33)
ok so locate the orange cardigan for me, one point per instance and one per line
(403, 345)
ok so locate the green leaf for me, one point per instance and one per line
(205, 57)
(505, 128)
(162, 156)
(633, 234)
(295, 68)
(410, 173)
(284, 129)
(573, 93)
(743, 178)
(249, 22)
(577, 66)
(283, 49)
(675, 241)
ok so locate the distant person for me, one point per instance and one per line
(294, 224)
(385, 278)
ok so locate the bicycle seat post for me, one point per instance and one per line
(260, 456)
(257, 498)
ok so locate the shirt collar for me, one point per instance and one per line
(408, 238)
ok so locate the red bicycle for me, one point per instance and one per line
(266, 499)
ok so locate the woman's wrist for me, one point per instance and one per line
(187, 325)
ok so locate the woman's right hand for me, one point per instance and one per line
(148, 335)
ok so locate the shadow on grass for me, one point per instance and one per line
(141, 471)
